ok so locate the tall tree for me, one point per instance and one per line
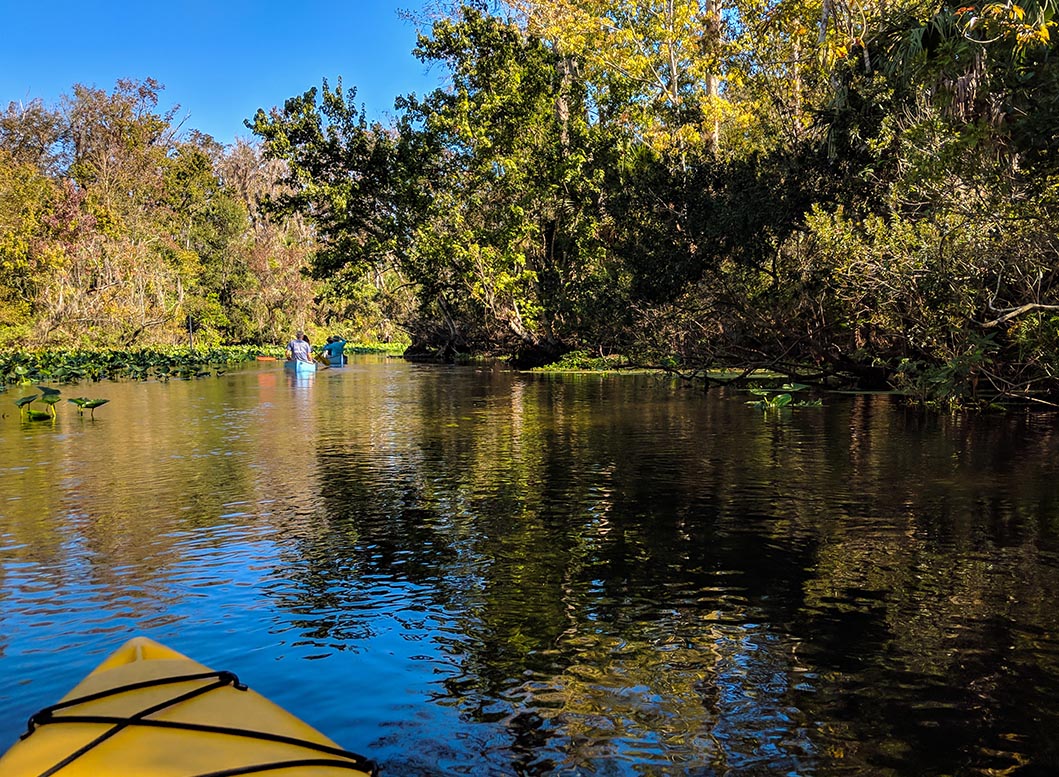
(28, 201)
(654, 66)
(207, 222)
(33, 134)
(517, 221)
(338, 175)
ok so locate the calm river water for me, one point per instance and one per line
(464, 570)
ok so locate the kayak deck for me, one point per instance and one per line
(148, 710)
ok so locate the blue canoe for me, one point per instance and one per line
(300, 367)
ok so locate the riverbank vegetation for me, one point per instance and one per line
(73, 365)
(119, 230)
(849, 195)
(61, 365)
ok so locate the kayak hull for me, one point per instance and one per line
(300, 367)
(148, 710)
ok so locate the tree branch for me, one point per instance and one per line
(1015, 312)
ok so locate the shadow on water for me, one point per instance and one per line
(483, 572)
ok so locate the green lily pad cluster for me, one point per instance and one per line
(776, 398)
(50, 397)
(76, 365)
(585, 361)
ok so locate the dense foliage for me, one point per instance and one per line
(117, 230)
(858, 194)
(72, 365)
(861, 194)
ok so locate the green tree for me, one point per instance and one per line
(338, 175)
(208, 226)
(514, 230)
(653, 65)
(943, 272)
(33, 134)
(27, 252)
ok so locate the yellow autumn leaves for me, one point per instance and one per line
(1028, 28)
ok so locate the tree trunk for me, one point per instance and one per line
(713, 81)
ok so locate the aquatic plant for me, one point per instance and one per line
(771, 403)
(84, 403)
(93, 404)
(586, 361)
(75, 365)
(50, 400)
(51, 397)
(776, 398)
(24, 402)
(28, 413)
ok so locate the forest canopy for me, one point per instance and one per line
(864, 194)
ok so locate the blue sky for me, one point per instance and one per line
(220, 61)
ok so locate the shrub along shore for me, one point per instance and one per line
(81, 365)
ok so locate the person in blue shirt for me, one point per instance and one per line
(333, 350)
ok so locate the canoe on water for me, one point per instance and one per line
(148, 710)
(300, 367)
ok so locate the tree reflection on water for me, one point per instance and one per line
(575, 574)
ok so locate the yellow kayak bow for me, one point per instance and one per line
(148, 711)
